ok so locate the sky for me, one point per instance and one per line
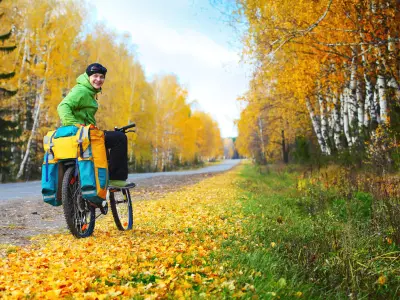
(190, 39)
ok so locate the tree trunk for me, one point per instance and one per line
(261, 136)
(38, 103)
(360, 107)
(346, 126)
(285, 149)
(375, 110)
(324, 123)
(316, 126)
(369, 108)
(352, 101)
(382, 98)
(336, 123)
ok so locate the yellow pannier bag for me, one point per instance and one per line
(93, 168)
(100, 161)
(67, 142)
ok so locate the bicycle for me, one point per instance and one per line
(80, 214)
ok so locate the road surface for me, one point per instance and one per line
(32, 189)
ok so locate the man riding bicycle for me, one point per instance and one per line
(79, 107)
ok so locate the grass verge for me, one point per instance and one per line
(311, 244)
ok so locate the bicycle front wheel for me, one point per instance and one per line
(121, 208)
(78, 213)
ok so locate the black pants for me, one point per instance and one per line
(117, 144)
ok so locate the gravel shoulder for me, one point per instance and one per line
(22, 219)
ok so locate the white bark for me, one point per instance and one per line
(330, 117)
(316, 126)
(24, 58)
(393, 83)
(130, 116)
(324, 123)
(374, 112)
(382, 98)
(360, 106)
(38, 103)
(346, 126)
(369, 109)
(368, 101)
(352, 101)
(336, 123)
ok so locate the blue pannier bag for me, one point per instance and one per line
(66, 131)
(50, 167)
(50, 180)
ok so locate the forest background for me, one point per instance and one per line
(325, 84)
(45, 45)
(325, 81)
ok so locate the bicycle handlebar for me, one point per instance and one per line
(125, 128)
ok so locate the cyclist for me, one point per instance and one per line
(79, 107)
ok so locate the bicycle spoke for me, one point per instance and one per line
(121, 207)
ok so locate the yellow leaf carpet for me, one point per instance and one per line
(168, 254)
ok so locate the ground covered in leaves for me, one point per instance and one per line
(172, 252)
(23, 219)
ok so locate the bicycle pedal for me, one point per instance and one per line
(131, 185)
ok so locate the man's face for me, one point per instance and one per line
(97, 80)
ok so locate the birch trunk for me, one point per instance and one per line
(382, 98)
(316, 126)
(369, 109)
(324, 123)
(156, 144)
(376, 105)
(133, 86)
(336, 123)
(392, 83)
(352, 101)
(330, 117)
(360, 106)
(261, 136)
(39, 101)
(368, 101)
(24, 58)
(346, 126)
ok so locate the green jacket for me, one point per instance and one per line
(80, 105)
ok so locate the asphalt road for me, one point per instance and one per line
(32, 189)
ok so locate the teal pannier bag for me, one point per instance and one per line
(50, 180)
(51, 183)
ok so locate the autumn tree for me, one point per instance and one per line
(8, 124)
(336, 61)
(43, 55)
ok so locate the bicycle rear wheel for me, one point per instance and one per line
(78, 213)
(121, 208)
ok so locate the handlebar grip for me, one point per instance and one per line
(122, 129)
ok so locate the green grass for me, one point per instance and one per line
(313, 244)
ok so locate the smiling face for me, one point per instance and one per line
(97, 80)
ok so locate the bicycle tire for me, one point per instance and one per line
(79, 214)
(121, 208)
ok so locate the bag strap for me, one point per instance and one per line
(80, 141)
(83, 129)
(47, 155)
(51, 143)
(47, 167)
